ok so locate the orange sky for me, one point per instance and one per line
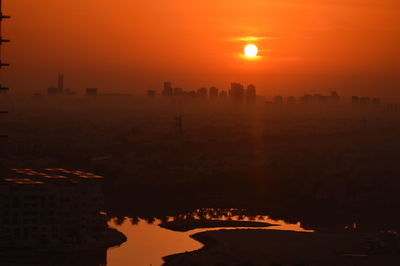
(125, 45)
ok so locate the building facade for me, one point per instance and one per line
(50, 207)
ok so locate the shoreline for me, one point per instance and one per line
(192, 224)
(269, 247)
(207, 242)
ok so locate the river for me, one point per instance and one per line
(148, 243)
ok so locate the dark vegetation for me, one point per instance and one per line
(327, 166)
(190, 224)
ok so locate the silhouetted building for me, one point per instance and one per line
(91, 91)
(52, 91)
(355, 100)
(291, 100)
(202, 92)
(213, 92)
(365, 100)
(167, 90)
(237, 92)
(334, 97)
(50, 207)
(116, 95)
(178, 91)
(151, 93)
(251, 94)
(36, 96)
(278, 99)
(306, 98)
(320, 99)
(60, 83)
(376, 100)
(317, 98)
(68, 91)
(223, 94)
(192, 93)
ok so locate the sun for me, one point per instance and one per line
(251, 50)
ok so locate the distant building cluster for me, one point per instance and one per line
(308, 98)
(237, 93)
(365, 100)
(50, 207)
(59, 90)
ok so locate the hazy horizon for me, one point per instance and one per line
(125, 46)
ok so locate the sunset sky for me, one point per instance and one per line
(132, 46)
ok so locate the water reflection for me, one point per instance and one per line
(148, 243)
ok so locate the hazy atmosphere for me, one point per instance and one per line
(199, 133)
(131, 46)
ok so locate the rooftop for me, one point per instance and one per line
(46, 175)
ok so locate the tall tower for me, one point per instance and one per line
(60, 83)
(2, 89)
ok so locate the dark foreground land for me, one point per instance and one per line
(279, 248)
(328, 167)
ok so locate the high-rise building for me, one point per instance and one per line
(52, 91)
(178, 91)
(223, 94)
(251, 94)
(365, 100)
(151, 93)
(355, 100)
(60, 83)
(91, 91)
(376, 100)
(236, 92)
(167, 90)
(335, 96)
(202, 92)
(50, 208)
(278, 99)
(213, 92)
(291, 100)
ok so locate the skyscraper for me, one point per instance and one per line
(335, 96)
(251, 94)
(178, 91)
(202, 92)
(151, 93)
(278, 99)
(236, 92)
(167, 90)
(213, 92)
(60, 83)
(355, 99)
(291, 100)
(91, 91)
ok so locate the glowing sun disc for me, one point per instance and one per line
(251, 50)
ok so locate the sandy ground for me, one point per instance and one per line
(279, 248)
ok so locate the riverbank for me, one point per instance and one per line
(191, 224)
(272, 247)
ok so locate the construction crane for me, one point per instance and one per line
(2, 64)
